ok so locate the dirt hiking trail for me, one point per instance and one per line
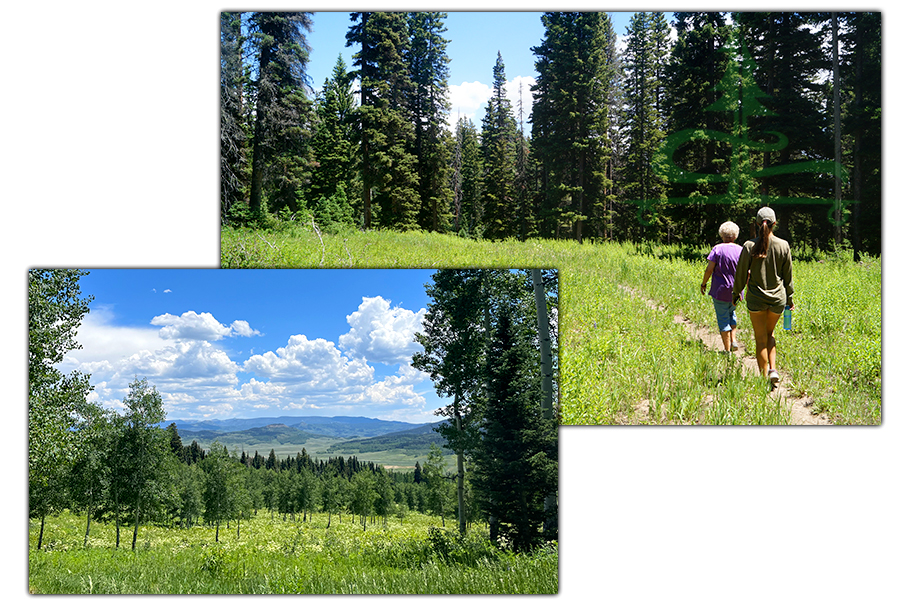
(800, 407)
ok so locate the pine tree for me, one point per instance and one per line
(570, 120)
(429, 69)
(863, 80)
(644, 59)
(790, 53)
(498, 145)
(282, 111)
(387, 162)
(468, 171)
(333, 179)
(697, 62)
(233, 139)
(516, 460)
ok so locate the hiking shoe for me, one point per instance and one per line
(774, 377)
(734, 348)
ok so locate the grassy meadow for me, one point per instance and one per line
(623, 358)
(275, 556)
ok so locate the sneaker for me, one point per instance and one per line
(774, 377)
(734, 348)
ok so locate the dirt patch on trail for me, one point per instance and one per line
(800, 406)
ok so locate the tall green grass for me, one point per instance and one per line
(276, 557)
(622, 361)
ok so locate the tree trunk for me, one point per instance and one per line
(835, 63)
(41, 535)
(137, 523)
(460, 472)
(88, 529)
(546, 370)
(118, 525)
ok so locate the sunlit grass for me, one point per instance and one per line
(616, 354)
(278, 556)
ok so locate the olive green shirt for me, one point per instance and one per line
(770, 279)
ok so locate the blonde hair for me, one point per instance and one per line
(728, 231)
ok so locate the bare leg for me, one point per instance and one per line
(760, 322)
(770, 341)
(726, 340)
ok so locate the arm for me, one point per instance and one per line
(709, 271)
(741, 275)
(787, 279)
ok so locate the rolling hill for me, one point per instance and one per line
(390, 443)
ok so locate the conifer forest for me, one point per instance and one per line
(686, 123)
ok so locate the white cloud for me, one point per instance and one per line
(197, 378)
(102, 341)
(242, 328)
(470, 99)
(382, 334)
(467, 98)
(317, 364)
(203, 326)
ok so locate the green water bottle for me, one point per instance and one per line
(787, 317)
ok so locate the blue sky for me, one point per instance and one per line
(244, 343)
(475, 38)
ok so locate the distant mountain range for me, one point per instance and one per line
(396, 443)
(335, 427)
(414, 439)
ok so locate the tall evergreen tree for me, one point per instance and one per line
(863, 84)
(790, 54)
(468, 171)
(282, 111)
(388, 164)
(429, 69)
(498, 144)
(644, 59)
(525, 177)
(570, 119)
(233, 138)
(335, 151)
(516, 463)
(697, 62)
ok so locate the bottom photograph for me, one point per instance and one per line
(207, 431)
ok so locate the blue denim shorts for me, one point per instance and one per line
(725, 316)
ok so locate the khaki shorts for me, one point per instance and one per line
(759, 304)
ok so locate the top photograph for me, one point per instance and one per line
(707, 184)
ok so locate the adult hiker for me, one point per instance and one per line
(723, 261)
(766, 270)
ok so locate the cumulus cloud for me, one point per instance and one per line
(242, 328)
(317, 364)
(203, 326)
(186, 359)
(470, 99)
(103, 341)
(382, 334)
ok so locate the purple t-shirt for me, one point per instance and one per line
(725, 256)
